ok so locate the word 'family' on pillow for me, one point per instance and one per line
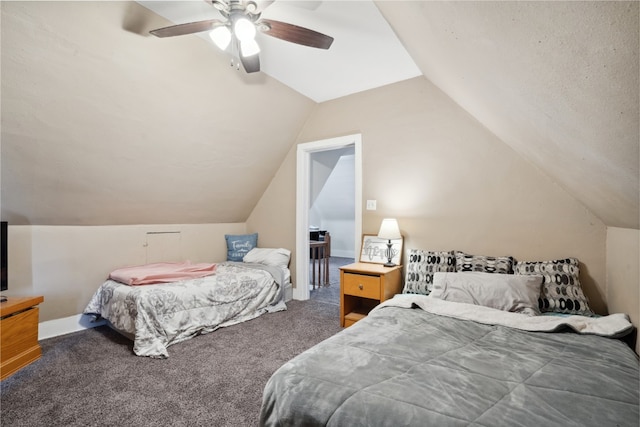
(507, 292)
(421, 267)
(561, 288)
(238, 245)
(484, 263)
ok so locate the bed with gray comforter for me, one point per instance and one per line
(160, 315)
(414, 362)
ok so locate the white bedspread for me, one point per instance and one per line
(613, 325)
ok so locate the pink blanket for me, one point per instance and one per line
(162, 272)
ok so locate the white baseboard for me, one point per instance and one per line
(66, 325)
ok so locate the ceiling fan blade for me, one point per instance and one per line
(251, 63)
(183, 29)
(295, 34)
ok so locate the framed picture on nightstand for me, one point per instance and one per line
(374, 250)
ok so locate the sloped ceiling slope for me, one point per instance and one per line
(104, 124)
(557, 81)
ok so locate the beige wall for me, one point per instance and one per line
(274, 217)
(623, 275)
(103, 125)
(66, 264)
(561, 93)
(451, 183)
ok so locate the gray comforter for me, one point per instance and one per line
(157, 316)
(408, 367)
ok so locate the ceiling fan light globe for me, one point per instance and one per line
(244, 29)
(221, 36)
(249, 48)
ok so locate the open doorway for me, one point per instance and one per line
(331, 220)
(316, 163)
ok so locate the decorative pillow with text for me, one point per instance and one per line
(238, 245)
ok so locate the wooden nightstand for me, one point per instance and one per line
(365, 285)
(18, 334)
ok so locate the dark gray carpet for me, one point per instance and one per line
(331, 294)
(92, 377)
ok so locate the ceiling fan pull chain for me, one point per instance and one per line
(235, 55)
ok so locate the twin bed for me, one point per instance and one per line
(450, 351)
(157, 315)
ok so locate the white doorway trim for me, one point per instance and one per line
(303, 177)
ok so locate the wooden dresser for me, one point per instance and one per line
(18, 334)
(365, 285)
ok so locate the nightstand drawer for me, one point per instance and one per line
(362, 285)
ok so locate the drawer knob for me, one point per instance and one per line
(360, 287)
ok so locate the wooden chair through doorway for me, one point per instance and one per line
(320, 253)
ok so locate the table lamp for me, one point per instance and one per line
(389, 230)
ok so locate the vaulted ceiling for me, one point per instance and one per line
(556, 81)
(365, 52)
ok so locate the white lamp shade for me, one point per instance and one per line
(221, 36)
(244, 29)
(389, 229)
(249, 48)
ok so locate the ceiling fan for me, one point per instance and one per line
(237, 32)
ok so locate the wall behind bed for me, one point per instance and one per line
(66, 264)
(623, 274)
(450, 182)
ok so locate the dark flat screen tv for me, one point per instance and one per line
(4, 231)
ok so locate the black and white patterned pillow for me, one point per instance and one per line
(420, 269)
(483, 263)
(561, 288)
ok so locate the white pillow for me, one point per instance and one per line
(269, 256)
(506, 292)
